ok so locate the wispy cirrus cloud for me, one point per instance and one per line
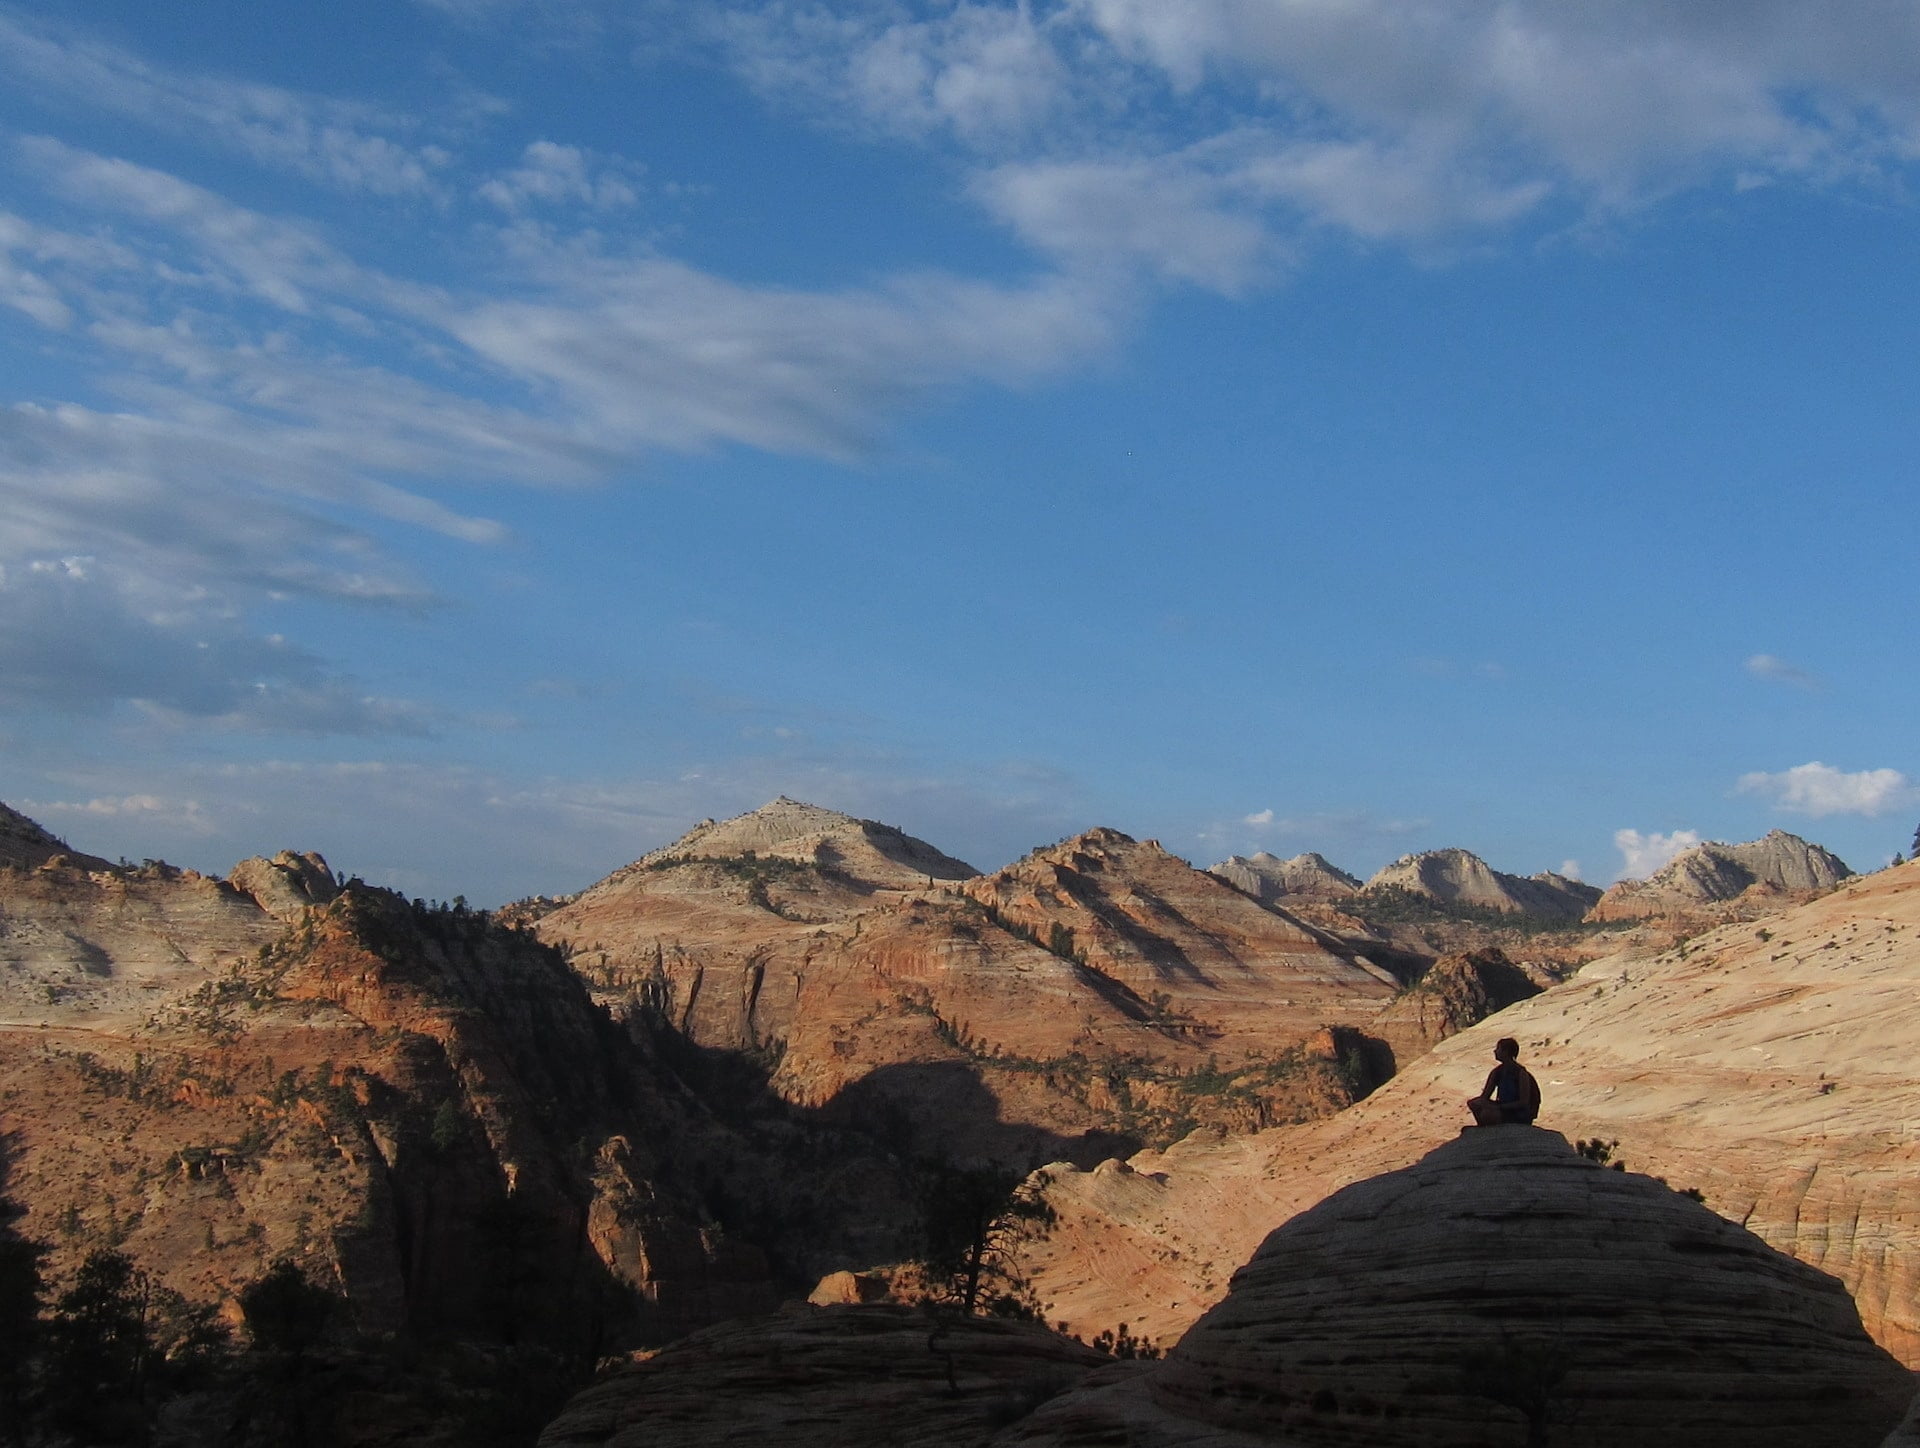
(350, 145)
(1820, 790)
(277, 391)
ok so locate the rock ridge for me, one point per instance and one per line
(1460, 877)
(1765, 874)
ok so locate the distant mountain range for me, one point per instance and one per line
(1768, 872)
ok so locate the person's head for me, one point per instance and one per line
(1506, 1049)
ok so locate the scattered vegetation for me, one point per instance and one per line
(1603, 1152)
(1121, 1343)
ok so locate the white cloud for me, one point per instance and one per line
(551, 174)
(337, 142)
(1776, 670)
(1169, 214)
(1263, 817)
(185, 816)
(1818, 790)
(1570, 868)
(986, 73)
(266, 409)
(653, 353)
(1391, 120)
(1643, 855)
(1612, 96)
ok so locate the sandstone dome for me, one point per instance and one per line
(1502, 1284)
(789, 829)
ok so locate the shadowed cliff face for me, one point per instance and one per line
(416, 1104)
(1504, 1289)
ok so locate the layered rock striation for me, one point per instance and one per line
(1505, 1289)
(1037, 1011)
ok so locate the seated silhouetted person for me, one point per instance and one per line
(1511, 1095)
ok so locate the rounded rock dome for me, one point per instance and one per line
(1505, 1290)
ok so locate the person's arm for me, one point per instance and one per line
(1493, 1079)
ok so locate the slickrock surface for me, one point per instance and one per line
(1503, 1279)
(1769, 1066)
(828, 1377)
(1268, 877)
(1038, 1010)
(1743, 880)
(1459, 877)
(102, 948)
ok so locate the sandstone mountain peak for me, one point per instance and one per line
(1761, 872)
(1267, 877)
(1460, 877)
(1503, 1286)
(789, 829)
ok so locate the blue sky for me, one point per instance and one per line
(480, 438)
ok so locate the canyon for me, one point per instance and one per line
(742, 1062)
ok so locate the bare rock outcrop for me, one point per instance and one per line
(1766, 1065)
(288, 884)
(1761, 875)
(1501, 1289)
(829, 1377)
(1458, 991)
(1460, 878)
(1304, 877)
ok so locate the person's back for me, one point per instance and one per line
(1511, 1095)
